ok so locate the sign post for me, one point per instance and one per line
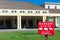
(46, 28)
(46, 37)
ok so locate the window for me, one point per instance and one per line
(4, 11)
(1, 24)
(30, 23)
(55, 7)
(37, 11)
(30, 12)
(24, 24)
(22, 11)
(44, 11)
(50, 19)
(48, 7)
(13, 11)
(58, 22)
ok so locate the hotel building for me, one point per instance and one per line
(20, 15)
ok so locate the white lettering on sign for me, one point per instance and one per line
(45, 28)
(50, 28)
(40, 28)
(45, 23)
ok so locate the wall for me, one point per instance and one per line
(52, 6)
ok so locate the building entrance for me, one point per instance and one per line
(8, 22)
(31, 21)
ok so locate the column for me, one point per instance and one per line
(18, 22)
(56, 21)
(44, 18)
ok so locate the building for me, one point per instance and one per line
(19, 15)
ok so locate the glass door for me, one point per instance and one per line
(30, 24)
(1, 24)
(8, 23)
(23, 23)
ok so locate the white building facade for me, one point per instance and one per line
(25, 15)
(51, 5)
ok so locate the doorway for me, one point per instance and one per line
(8, 24)
(30, 22)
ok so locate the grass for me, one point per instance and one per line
(27, 35)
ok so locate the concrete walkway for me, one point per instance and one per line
(11, 30)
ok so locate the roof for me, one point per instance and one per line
(24, 5)
(19, 5)
(54, 10)
(52, 3)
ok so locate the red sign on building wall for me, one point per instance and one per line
(46, 28)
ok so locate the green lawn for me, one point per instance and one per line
(26, 35)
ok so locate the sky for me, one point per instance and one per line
(36, 2)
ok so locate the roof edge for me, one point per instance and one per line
(51, 3)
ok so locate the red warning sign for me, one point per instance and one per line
(46, 28)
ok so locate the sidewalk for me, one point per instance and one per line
(11, 30)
